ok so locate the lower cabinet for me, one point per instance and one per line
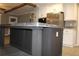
(22, 39)
(52, 42)
(69, 37)
(1, 36)
(38, 42)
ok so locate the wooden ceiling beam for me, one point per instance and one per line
(2, 9)
(19, 6)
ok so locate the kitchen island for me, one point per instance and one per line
(37, 39)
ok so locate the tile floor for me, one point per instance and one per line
(12, 51)
(9, 50)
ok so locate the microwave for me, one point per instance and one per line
(42, 20)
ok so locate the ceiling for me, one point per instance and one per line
(22, 10)
(16, 8)
(7, 6)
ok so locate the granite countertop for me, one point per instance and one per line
(35, 24)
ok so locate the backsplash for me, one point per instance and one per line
(70, 24)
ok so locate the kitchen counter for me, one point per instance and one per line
(37, 39)
(36, 24)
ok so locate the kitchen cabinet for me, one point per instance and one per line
(21, 39)
(1, 36)
(37, 40)
(52, 40)
(70, 11)
(69, 37)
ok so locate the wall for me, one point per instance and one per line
(5, 18)
(43, 9)
(78, 28)
(1, 11)
(21, 18)
(70, 11)
(25, 17)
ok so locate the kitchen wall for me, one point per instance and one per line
(5, 18)
(78, 28)
(26, 17)
(22, 18)
(43, 9)
(1, 11)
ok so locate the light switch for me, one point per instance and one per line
(57, 34)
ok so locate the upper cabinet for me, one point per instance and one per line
(70, 11)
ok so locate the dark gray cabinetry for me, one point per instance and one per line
(21, 39)
(1, 36)
(38, 41)
(52, 42)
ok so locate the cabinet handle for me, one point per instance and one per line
(57, 34)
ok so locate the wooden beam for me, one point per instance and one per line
(30, 4)
(19, 6)
(2, 9)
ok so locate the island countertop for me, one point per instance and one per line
(35, 25)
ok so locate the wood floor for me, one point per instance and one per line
(70, 51)
(6, 41)
(66, 51)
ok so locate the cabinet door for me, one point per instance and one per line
(52, 41)
(70, 11)
(16, 37)
(68, 37)
(22, 39)
(27, 40)
(1, 37)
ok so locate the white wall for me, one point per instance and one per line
(78, 28)
(45, 8)
(70, 11)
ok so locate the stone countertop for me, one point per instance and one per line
(35, 25)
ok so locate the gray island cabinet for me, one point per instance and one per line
(37, 40)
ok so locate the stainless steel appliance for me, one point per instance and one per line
(42, 20)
